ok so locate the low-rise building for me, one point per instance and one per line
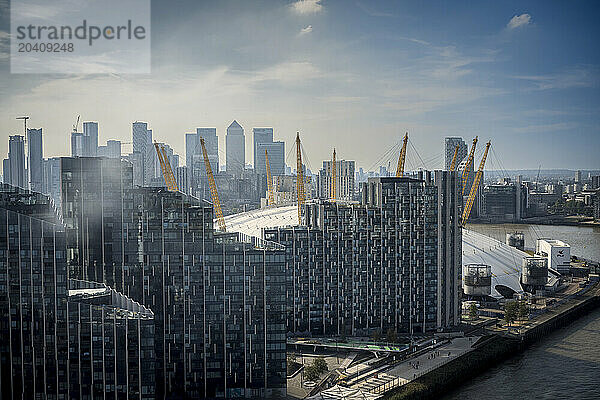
(557, 252)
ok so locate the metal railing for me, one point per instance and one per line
(399, 381)
(259, 243)
(562, 301)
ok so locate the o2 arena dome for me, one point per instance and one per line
(505, 261)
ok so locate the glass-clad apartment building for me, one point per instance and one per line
(210, 293)
(218, 298)
(390, 262)
(92, 190)
(62, 339)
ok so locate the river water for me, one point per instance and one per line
(566, 364)
(584, 241)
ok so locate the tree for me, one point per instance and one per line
(311, 373)
(320, 365)
(473, 311)
(510, 312)
(376, 335)
(523, 310)
(391, 335)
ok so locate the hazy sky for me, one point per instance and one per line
(354, 75)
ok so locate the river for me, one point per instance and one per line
(584, 241)
(566, 364)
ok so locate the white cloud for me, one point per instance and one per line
(306, 30)
(518, 21)
(305, 7)
(575, 77)
(288, 72)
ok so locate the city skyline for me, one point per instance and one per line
(499, 71)
(298, 199)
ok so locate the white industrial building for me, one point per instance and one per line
(557, 252)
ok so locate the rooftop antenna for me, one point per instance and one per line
(24, 118)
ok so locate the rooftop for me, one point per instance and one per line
(555, 242)
(504, 260)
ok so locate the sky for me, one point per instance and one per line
(354, 75)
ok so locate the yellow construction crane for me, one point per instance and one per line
(473, 193)
(468, 166)
(402, 157)
(453, 163)
(76, 126)
(333, 178)
(172, 180)
(271, 199)
(213, 188)
(299, 178)
(165, 166)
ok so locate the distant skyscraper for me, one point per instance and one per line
(111, 150)
(6, 171)
(182, 179)
(276, 152)
(450, 144)
(158, 180)
(90, 133)
(35, 158)
(211, 142)
(51, 179)
(142, 144)
(236, 149)
(77, 144)
(577, 176)
(263, 140)
(461, 158)
(261, 135)
(195, 160)
(14, 172)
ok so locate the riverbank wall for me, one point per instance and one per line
(488, 352)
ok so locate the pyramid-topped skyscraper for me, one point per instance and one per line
(236, 149)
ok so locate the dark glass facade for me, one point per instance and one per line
(212, 294)
(92, 192)
(218, 298)
(62, 339)
(111, 344)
